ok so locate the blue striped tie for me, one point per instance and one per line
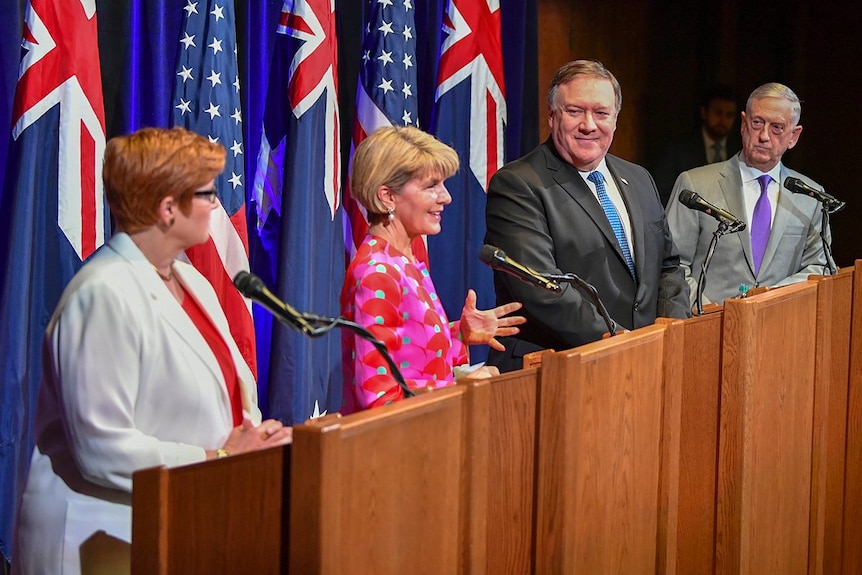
(613, 217)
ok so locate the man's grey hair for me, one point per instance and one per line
(776, 90)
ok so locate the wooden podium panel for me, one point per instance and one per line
(698, 465)
(765, 437)
(501, 463)
(831, 376)
(379, 491)
(222, 516)
(608, 430)
(852, 548)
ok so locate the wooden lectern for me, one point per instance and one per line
(499, 503)
(609, 455)
(379, 492)
(831, 376)
(698, 459)
(852, 541)
(765, 441)
(222, 516)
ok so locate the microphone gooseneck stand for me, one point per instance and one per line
(591, 293)
(825, 210)
(327, 324)
(333, 322)
(722, 229)
(253, 288)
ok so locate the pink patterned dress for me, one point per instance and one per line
(396, 301)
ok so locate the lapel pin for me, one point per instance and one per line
(625, 181)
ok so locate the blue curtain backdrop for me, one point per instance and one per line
(139, 39)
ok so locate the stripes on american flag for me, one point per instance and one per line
(206, 100)
(386, 94)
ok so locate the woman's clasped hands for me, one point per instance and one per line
(248, 437)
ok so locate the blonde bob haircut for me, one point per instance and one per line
(393, 156)
(143, 168)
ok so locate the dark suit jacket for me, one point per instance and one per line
(542, 214)
(685, 154)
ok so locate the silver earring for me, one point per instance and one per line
(391, 215)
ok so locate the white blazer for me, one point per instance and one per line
(128, 383)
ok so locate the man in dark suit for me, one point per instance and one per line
(715, 140)
(568, 206)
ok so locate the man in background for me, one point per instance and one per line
(713, 141)
(781, 243)
(569, 206)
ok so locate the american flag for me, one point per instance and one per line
(470, 115)
(386, 94)
(206, 101)
(53, 214)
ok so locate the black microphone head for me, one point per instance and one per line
(247, 284)
(688, 198)
(791, 183)
(490, 254)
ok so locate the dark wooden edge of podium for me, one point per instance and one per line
(150, 531)
(534, 358)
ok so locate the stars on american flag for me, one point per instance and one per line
(388, 53)
(206, 94)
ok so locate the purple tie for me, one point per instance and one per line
(761, 222)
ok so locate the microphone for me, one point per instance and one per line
(253, 288)
(694, 201)
(797, 186)
(497, 260)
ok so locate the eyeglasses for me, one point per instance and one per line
(210, 195)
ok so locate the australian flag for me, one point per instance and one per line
(469, 115)
(385, 95)
(297, 193)
(206, 101)
(54, 212)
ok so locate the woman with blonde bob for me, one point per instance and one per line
(139, 368)
(397, 176)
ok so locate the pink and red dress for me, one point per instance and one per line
(395, 299)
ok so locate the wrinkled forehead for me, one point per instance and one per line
(584, 90)
(772, 109)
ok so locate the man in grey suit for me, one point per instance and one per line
(781, 243)
(568, 206)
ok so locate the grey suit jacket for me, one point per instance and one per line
(542, 214)
(794, 251)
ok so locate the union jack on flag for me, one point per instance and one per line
(386, 94)
(53, 215)
(472, 52)
(309, 75)
(469, 115)
(206, 101)
(297, 191)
